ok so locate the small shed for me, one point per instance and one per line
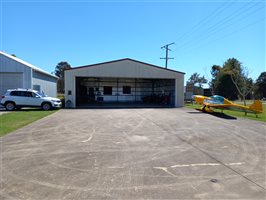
(124, 81)
(16, 73)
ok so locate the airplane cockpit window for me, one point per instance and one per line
(217, 99)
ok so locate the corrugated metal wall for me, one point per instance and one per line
(44, 83)
(9, 66)
(31, 79)
(10, 80)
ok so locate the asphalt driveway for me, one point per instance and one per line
(134, 154)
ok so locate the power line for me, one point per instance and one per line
(224, 24)
(234, 18)
(213, 24)
(213, 33)
(166, 47)
(220, 23)
(206, 19)
(231, 33)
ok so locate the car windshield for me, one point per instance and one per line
(41, 94)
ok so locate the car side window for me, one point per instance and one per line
(13, 93)
(31, 94)
(22, 93)
(17, 93)
(34, 95)
(28, 94)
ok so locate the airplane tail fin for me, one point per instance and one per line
(256, 106)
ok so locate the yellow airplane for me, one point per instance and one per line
(219, 102)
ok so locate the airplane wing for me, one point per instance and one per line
(256, 107)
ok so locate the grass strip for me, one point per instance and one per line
(261, 117)
(14, 120)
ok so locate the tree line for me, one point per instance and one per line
(232, 81)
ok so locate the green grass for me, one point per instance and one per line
(60, 96)
(261, 117)
(14, 120)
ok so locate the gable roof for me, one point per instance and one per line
(27, 64)
(125, 59)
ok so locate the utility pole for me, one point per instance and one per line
(166, 53)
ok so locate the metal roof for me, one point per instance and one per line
(27, 64)
(124, 59)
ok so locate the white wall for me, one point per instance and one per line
(179, 91)
(47, 83)
(123, 69)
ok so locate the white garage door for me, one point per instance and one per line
(10, 81)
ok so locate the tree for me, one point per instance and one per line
(59, 72)
(239, 76)
(215, 70)
(60, 68)
(260, 86)
(223, 86)
(197, 81)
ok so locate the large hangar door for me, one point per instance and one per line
(10, 81)
(125, 92)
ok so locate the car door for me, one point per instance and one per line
(17, 97)
(32, 99)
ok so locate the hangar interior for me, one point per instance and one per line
(92, 91)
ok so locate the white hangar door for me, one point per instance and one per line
(10, 81)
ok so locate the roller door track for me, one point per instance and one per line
(10, 81)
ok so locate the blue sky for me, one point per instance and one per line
(84, 32)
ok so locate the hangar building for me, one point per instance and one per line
(124, 82)
(16, 73)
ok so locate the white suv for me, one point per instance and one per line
(17, 98)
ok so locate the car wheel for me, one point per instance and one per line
(10, 106)
(46, 106)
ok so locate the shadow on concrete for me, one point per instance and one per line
(195, 112)
(216, 114)
(222, 115)
(115, 105)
